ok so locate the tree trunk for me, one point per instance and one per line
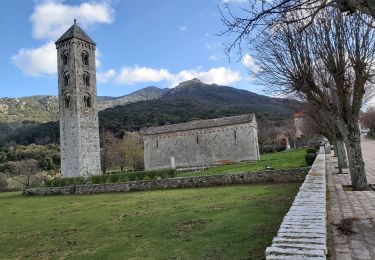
(334, 147)
(356, 164)
(341, 155)
(338, 153)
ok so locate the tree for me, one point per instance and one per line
(3, 182)
(320, 122)
(329, 65)
(26, 171)
(109, 151)
(368, 120)
(260, 16)
(133, 150)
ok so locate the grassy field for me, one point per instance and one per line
(234, 222)
(280, 160)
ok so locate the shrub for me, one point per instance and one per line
(98, 179)
(59, 182)
(310, 158)
(311, 150)
(112, 178)
(3, 182)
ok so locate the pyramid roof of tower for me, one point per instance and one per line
(75, 32)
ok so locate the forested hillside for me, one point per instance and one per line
(190, 100)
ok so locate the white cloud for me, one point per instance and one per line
(183, 28)
(136, 74)
(250, 63)
(35, 62)
(214, 58)
(107, 76)
(40, 61)
(133, 75)
(51, 18)
(220, 76)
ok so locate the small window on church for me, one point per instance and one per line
(197, 140)
(235, 134)
(85, 58)
(86, 79)
(87, 100)
(157, 143)
(65, 58)
(66, 79)
(67, 101)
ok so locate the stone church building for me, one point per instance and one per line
(79, 128)
(201, 142)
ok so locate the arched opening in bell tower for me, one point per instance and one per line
(86, 79)
(87, 100)
(85, 58)
(64, 58)
(66, 79)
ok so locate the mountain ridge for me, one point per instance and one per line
(192, 100)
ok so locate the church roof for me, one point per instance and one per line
(200, 124)
(75, 32)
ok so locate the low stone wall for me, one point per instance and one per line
(302, 234)
(276, 176)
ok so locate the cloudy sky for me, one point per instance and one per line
(139, 43)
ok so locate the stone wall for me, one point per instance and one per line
(302, 234)
(277, 176)
(202, 147)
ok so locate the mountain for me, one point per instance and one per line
(45, 108)
(228, 97)
(148, 93)
(192, 100)
(34, 108)
(188, 101)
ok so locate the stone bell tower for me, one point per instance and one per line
(79, 128)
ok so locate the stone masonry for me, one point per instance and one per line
(302, 234)
(79, 129)
(201, 142)
(276, 176)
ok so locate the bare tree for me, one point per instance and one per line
(329, 64)
(133, 150)
(322, 123)
(368, 120)
(243, 24)
(110, 150)
(25, 171)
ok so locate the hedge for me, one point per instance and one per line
(112, 178)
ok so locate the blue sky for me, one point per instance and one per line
(140, 43)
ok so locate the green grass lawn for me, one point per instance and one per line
(280, 160)
(233, 222)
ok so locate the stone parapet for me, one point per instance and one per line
(302, 234)
(276, 176)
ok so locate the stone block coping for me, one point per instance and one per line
(302, 234)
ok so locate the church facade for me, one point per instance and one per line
(201, 143)
(79, 128)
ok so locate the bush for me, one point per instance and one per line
(311, 150)
(310, 158)
(3, 182)
(112, 178)
(59, 182)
